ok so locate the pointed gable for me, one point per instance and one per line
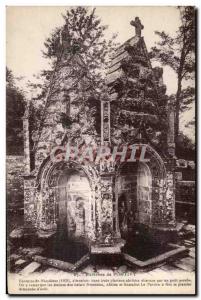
(136, 89)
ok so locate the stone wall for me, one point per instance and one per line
(185, 190)
(186, 201)
(14, 181)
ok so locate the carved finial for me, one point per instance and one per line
(138, 26)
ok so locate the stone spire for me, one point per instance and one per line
(138, 26)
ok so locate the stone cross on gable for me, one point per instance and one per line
(138, 26)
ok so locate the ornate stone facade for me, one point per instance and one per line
(117, 193)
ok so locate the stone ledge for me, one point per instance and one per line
(180, 250)
(56, 263)
(108, 249)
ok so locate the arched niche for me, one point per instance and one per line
(74, 204)
(69, 194)
(141, 186)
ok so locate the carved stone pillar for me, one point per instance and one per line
(30, 204)
(26, 141)
(105, 121)
(107, 207)
(171, 133)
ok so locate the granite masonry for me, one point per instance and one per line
(102, 203)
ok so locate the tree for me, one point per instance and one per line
(186, 148)
(179, 53)
(79, 54)
(14, 112)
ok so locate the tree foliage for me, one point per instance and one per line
(14, 112)
(79, 54)
(186, 148)
(178, 53)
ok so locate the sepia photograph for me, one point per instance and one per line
(101, 150)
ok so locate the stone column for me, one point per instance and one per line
(105, 121)
(107, 174)
(107, 207)
(171, 133)
(26, 141)
(170, 166)
(30, 204)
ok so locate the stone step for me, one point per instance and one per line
(32, 267)
(61, 273)
(188, 260)
(51, 271)
(186, 264)
(189, 243)
(62, 265)
(31, 251)
(106, 250)
(167, 267)
(20, 262)
(192, 254)
(82, 261)
(17, 268)
(15, 256)
(158, 272)
(192, 249)
(184, 267)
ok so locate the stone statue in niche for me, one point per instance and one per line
(123, 226)
(71, 224)
(80, 217)
(130, 220)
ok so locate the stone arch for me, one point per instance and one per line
(151, 154)
(48, 167)
(156, 168)
(48, 180)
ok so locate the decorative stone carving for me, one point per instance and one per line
(135, 89)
